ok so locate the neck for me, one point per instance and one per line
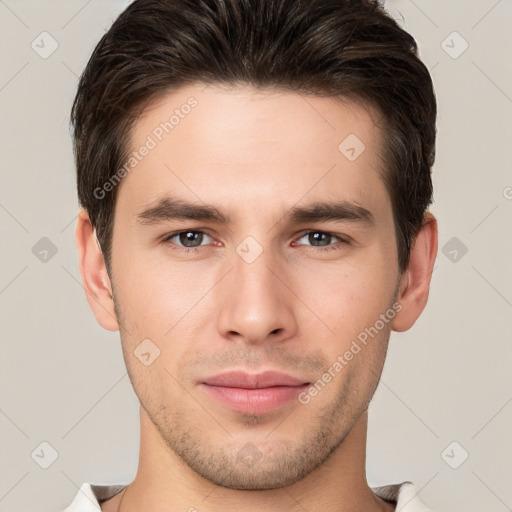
(165, 483)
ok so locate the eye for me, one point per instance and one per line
(322, 240)
(191, 239)
(188, 240)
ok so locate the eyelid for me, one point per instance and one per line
(342, 237)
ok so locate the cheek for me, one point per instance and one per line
(346, 298)
(165, 301)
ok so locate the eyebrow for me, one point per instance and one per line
(168, 208)
(331, 211)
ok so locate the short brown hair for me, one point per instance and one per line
(331, 48)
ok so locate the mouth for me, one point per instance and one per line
(254, 393)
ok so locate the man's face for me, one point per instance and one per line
(275, 288)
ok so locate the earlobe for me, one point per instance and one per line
(98, 289)
(415, 283)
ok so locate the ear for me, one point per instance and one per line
(98, 288)
(415, 282)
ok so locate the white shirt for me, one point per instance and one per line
(89, 497)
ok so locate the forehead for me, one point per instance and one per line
(239, 146)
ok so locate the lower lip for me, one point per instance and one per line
(254, 401)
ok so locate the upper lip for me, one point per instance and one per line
(240, 379)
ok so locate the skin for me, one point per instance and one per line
(254, 155)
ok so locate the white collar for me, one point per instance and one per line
(90, 495)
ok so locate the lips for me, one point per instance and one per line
(248, 393)
(239, 379)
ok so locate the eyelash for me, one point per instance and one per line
(342, 240)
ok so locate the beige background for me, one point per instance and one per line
(62, 377)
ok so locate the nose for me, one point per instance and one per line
(257, 304)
